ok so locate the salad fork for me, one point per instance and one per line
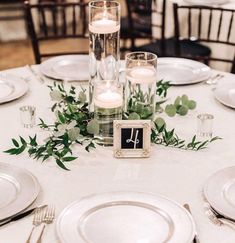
(37, 220)
(48, 218)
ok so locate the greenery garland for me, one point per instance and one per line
(76, 125)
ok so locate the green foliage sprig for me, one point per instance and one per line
(75, 125)
(160, 135)
(181, 106)
(162, 88)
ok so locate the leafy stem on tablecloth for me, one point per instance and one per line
(160, 135)
(74, 124)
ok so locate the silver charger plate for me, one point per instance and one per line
(225, 93)
(67, 67)
(125, 217)
(18, 189)
(11, 87)
(219, 191)
(181, 71)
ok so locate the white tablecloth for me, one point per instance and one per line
(177, 174)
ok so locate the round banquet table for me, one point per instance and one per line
(177, 174)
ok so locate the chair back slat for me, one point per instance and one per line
(230, 26)
(57, 20)
(74, 20)
(199, 23)
(54, 16)
(64, 18)
(220, 23)
(44, 21)
(189, 23)
(84, 17)
(209, 25)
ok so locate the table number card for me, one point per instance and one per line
(131, 138)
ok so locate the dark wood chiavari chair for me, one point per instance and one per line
(57, 21)
(205, 24)
(137, 23)
(161, 45)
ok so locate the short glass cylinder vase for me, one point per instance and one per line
(104, 49)
(108, 106)
(140, 90)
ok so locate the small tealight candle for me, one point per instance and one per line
(108, 99)
(142, 74)
(104, 26)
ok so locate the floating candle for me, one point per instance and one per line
(108, 99)
(142, 74)
(104, 26)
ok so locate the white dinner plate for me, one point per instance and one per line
(18, 189)
(181, 71)
(219, 191)
(125, 217)
(225, 93)
(207, 2)
(67, 67)
(11, 87)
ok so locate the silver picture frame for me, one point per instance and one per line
(131, 138)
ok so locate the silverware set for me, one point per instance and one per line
(214, 79)
(21, 215)
(41, 215)
(217, 218)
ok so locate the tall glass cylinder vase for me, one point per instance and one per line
(141, 78)
(108, 106)
(104, 51)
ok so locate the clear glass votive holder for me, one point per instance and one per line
(108, 106)
(28, 116)
(104, 44)
(141, 78)
(205, 125)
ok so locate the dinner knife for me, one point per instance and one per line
(35, 74)
(196, 239)
(21, 215)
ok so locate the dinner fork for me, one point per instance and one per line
(218, 219)
(214, 79)
(37, 220)
(48, 218)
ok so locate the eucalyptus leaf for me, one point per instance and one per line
(160, 122)
(134, 116)
(170, 110)
(74, 133)
(192, 104)
(183, 110)
(184, 99)
(93, 127)
(82, 96)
